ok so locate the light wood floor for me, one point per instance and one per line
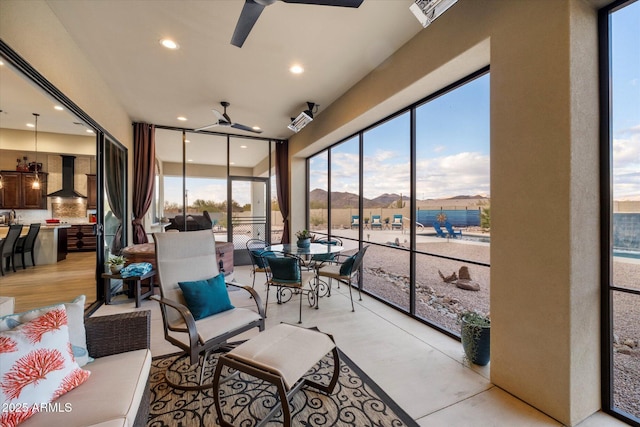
(49, 284)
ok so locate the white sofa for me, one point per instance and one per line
(117, 391)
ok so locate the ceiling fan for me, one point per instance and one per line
(253, 8)
(225, 121)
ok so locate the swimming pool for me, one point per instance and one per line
(626, 253)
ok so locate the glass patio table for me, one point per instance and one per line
(308, 252)
(313, 249)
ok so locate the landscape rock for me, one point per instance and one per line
(463, 273)
(468, 285)
(448, 279)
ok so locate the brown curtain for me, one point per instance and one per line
(282, 185)
(144, 155)
(115, 186)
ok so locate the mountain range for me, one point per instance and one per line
(339, 199)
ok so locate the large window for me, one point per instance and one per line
(452, 194)
(386, 191)
(218, 181)
(345, 193)
(414, 187)
(621, 209)
(319, 192)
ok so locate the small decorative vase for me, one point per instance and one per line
(304, 243)
(115, 269)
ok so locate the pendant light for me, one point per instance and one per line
(36, 181)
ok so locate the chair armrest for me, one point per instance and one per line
(118, 333)
(254, 295)
(184, 311)
(187, 316)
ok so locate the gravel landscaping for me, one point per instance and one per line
(440, 302)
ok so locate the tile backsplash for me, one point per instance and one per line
(73, 209)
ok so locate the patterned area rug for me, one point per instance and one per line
(355, 401)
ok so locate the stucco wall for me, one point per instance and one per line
(544, 180)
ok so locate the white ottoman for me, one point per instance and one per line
(281, 356)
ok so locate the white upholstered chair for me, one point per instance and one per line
(186, 257)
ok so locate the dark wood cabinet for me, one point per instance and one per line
(62, 244)
(17, 191)
(10, 192)
(92, 192)
(81, 238)
(34, 199)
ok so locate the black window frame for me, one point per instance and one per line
(606, 214)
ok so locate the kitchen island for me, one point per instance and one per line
(51, 244)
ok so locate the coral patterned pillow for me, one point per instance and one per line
(36, 366)
(75, 318)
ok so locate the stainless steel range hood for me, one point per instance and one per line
(68, 172)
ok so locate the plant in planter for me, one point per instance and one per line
(304, 238)
(475, 332)
(116, 263)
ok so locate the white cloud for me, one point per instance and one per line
(439, 148)
(464, 173)
(626, 165)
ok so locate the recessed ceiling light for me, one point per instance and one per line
(244, 146)
(89, 130)
(232, 163)
(30, 125)
(169, 44)
(57, 107)
(1, 63)
(256, 128)
(296, 69)
(187, 141)
(190, 160)
(182, 119)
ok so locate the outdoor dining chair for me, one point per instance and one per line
(289, 277)
(257, 254)
(345, 272)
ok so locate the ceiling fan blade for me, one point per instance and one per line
(206, 127)
(243, 127)
(219, 115)
(248, 17)
(341, 3)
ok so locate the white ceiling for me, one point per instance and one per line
(336, 46)
(19, 99)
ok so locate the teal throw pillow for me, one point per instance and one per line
(260, 256)
(206, 297)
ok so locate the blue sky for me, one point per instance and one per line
(445, 149)
(625, 58)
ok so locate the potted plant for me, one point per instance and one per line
(116, 262)
(304, 238)
(475, 332)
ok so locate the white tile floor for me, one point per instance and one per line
(420, 368)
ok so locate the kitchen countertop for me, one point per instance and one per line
(46, 245)
(42, 226)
